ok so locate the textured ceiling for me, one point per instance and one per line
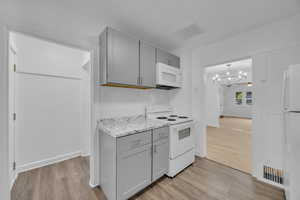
(169, 24)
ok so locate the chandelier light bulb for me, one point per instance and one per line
(227, 73)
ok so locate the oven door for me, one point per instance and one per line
(181, 139)
(168, 75)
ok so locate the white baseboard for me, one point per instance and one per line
(85, 154)
(92, 185)
(48, 161)
(270, 182)
(200, 154)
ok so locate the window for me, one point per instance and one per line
(239, 98)
(249, 98)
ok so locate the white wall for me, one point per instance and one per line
(49, 102)
(232, 109)
(114, 102)
(4, 172)
(181, 99)
(213, 104)
(260, 44)
(43, 57)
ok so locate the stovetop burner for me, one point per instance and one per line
(173, 116)
(161, 118)
(182, 117)
(171, 119)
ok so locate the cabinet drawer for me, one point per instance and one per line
(134, 141)
(161, 134)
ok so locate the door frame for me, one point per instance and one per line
(11, 131)
(4, 151)
(204, 142)
(4, 76)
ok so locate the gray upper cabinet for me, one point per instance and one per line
(174, 61)
(123, 58)
(147, 65)
(128, 62)
(167, 58)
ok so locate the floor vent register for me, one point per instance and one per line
(272, 174)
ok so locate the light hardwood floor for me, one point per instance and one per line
(204, 180)
(231, 143)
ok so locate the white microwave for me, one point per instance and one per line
(168, 76)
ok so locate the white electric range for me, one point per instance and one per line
(182, 138)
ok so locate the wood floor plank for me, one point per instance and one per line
(230, 144)
(204, 180)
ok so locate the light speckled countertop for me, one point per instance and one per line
(122, 126)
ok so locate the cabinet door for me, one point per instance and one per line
(147, 65)
(167, 58)
(123, 58)
(160, 151)
(174, 61)
(133, 164)
(160, 165)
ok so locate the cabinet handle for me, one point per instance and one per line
(141, 81)
(138, 80)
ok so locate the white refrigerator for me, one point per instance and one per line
(291, 110)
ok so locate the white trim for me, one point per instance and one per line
(85, 154)
(49, 75)
(49, 161)
(197, 153)
(13, 179)
(4, 154)
(92, 185)
(270, 182)
(94, 152)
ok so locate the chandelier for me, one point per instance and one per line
(228, 76)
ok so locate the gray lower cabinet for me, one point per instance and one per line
(167, 58)
(147, 65)
(131, 163)
(160, 161)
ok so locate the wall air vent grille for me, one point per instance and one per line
(274, 175)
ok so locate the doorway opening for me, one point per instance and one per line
(50, 113)
(229, 100)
